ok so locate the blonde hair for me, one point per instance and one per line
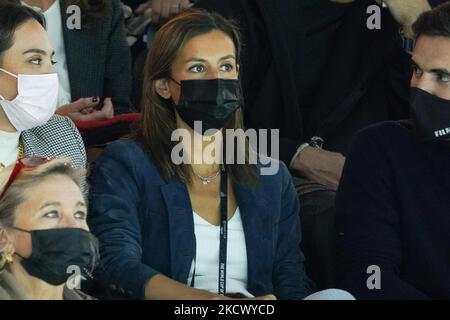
(16, 193)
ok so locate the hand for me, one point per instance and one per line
(163, 10)
(321, 166)
(407, 12)
(89, 113)
(82, 105)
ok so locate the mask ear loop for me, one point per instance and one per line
(22, 230)
(175, 81)
(19, 255)
(9, 73)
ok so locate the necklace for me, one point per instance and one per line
(206, 180)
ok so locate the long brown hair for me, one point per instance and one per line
(158, 119)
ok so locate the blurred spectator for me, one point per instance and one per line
(93, 62)
(158, 11)
(162, 10)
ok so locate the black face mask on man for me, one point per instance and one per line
(431, 115)
(213, 102)
(55, 250)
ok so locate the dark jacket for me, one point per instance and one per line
(99, 60)
(393, 210)
(145, 226)
(312, 67)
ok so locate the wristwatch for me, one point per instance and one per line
(315, 142)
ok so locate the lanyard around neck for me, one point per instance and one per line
(223, 235)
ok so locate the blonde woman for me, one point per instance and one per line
(44, 237)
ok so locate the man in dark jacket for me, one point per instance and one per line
(315, 70)
(393, 204)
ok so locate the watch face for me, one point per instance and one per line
(316, 142)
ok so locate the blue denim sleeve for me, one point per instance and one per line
(289, 276)
(114, 220)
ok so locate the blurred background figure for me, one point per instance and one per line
(144, 20)
(93, 62)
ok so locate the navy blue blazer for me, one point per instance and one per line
(145, 226)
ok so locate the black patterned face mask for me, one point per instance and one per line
(213, 102)
(55, 250)
(431, 115)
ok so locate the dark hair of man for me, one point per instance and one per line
(434, 23)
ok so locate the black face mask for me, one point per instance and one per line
(431, 115)
(55, 250)
(211, 101)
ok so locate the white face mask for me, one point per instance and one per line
(36, 101)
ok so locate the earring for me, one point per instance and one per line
(5, 259)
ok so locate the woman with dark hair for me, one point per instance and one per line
(92, 56)
(196, 228)
(28, 92)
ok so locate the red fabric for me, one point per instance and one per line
(95, 124)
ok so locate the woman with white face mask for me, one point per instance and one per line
(29, 92)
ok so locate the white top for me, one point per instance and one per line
(9, 147)
(55, 32)
(206, 262)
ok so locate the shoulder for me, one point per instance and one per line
(388, 144)
(57, 127)
(127, 154)
(123, 149)
(57, 138)
(10, 288)
(386, 133)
